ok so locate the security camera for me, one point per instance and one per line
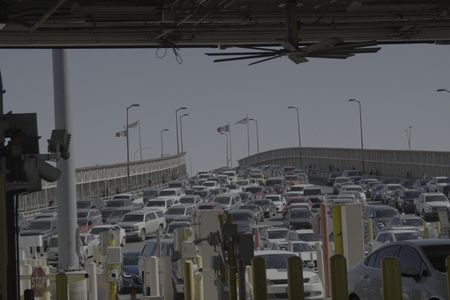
(37, 169)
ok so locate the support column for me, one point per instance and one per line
(65, 191)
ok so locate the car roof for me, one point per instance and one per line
(304, 231)
(44, 219)
(241, 211)
(182, 205)
(271, 252)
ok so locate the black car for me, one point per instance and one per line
(405, 201)
(129, 279)
(299, 218)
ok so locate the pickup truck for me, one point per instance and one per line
(428, 205)
(438, 184)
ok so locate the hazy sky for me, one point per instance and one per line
(396, 86)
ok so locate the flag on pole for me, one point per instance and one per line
(243, 121)
(225, 128)
(122, 133)
(133, 125)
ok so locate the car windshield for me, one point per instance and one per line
(412, 222)
(307, 237)
(167, 193)
(437, 255)
(237, 217)
(277, 234)
(249, 207)
(354, 173)
(244, 196)
(115, 203)
(242, 182)
(302, 247)
(175, 211)
(291, 177)
(404, 236)
(276, 261)
(87, 239)
(300, 213)
(295, 189)
(232, 186)
(274, 182)
(435, 198)
(98, 230)
(82, 222)
(175, 185)
(40, 225)
(156, 203)
(130, 259)
(262, 202)
(118, 213)
(84, 204)
(172, 226)
(187, 200)
(82, 214)
(395, 188)
(120, 197)
(353, 189)
(273, 198)
(443, 180)
(341, 180)
(412, 195)
(132, 218)
(206, 207)
(149, 194)
(210, 183)
(254, 189)
(222, 200)
(385, 213)
(201, 193)
(312, 192)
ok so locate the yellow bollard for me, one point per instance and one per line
(189, 289)
(392, 279)
(113, 285)
(199, 279)
(61, 286)
(447, 263)
(337, 230)
(425, 231)
(259, 283)
(248, 272)
(438, 229)
(339, 283)
(295, 278)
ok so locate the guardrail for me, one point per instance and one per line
(105, 180)
(395, 163)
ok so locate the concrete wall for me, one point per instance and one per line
(107, 180)
(387, 162)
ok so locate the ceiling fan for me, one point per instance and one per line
(333, 48)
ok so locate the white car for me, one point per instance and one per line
(437, 184)
(159, 203)
(272, 235)
(305, 235)
(428, 205)
(299, 187)
(210, 184)
(96, 230)
(277, 200)
(142, 223)
(173, 194)
(354, 189)
(394, 235)
(304, 250)
(277, 277)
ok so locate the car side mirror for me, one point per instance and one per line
(411, 272)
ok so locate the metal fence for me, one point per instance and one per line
(396, 163)
(106, 180)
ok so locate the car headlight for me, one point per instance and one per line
(127, 275)
(135, 228)
(315, 279)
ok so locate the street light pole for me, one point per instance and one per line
(162, 144)
(181, 130)
(408, 136)
(226, 136)
(140, 139)
(257, 134)
(361, 130)
(299, 135)
(176, 126)
(128, 146)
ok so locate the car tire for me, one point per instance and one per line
(353, 297)
(143, 235)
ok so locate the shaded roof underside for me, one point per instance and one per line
(212, 23)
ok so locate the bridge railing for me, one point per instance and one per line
(106, 180)
(396, 163)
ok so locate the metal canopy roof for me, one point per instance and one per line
(212, 23)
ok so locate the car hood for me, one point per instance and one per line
(277, 274)
(300, 220)
(438, 204)
(128, 224)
